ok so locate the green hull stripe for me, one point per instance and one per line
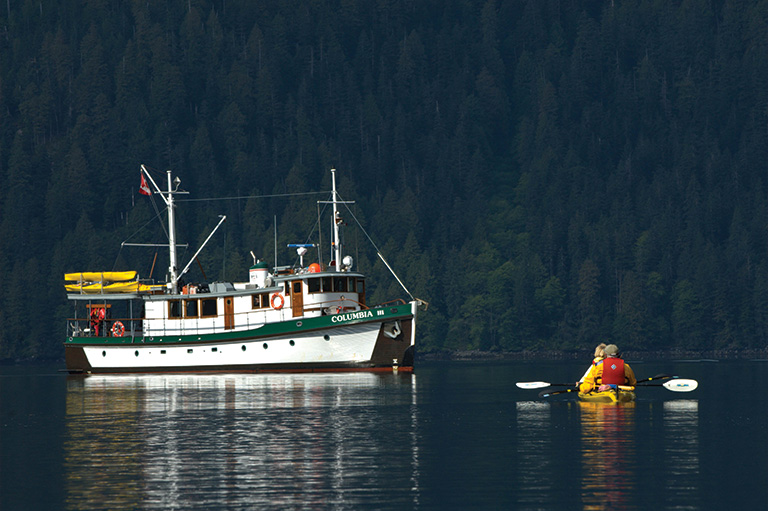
(268, 330)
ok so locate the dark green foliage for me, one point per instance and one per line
(545, 174)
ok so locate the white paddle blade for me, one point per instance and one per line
(680, 385)
(532, 384)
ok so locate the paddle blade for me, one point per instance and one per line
(547, 394)
(532, 384)
(681, 385)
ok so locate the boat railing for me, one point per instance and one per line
(136, 329)
(212, 325)
(246, 320)
(111, 327)
(391, 302)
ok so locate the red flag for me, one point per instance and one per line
(144, 187)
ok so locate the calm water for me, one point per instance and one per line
(452, 436)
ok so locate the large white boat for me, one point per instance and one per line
(298, 318)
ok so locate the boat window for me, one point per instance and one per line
(340, 284)
(260, 301)
(351, 284)
(174, 309)
(190, 308)
(327, 285)
(208, 307)
(297, 287)
(360, 286)
(287, 289)
(313, 285)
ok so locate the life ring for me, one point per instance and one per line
(118, 330)
(277, 297)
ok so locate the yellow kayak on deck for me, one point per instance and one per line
(623, 394)
(100, 276)
(117, 287)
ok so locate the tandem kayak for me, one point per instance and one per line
(620, 395)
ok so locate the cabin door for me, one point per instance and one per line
(297, 299)
(229, 313)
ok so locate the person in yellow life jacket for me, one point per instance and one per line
(599, 356)
(612, 370)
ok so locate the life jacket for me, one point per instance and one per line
(613, 371)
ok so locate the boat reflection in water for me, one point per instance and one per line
(608, 453)
(239, 440)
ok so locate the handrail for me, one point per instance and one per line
(393, 301)
(181, 326)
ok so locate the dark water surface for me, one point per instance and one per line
(452, 436)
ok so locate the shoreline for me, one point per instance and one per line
(677, 354)
(539, 355)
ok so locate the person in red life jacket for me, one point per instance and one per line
(95, 322)
(609, 372)
(97, 318)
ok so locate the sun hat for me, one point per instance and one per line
(611, 350)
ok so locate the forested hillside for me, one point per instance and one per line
(547, 174)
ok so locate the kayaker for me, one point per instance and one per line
(609, 372)
(599, 355)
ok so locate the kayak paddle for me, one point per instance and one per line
(542, 384)
(676, 385)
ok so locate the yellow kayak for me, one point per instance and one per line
(100, 276)
(622, 395)
(117, 287)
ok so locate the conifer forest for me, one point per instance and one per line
(546, 174)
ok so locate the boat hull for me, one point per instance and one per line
(344, 345)
(608, 396)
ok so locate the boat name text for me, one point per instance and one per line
(338, 318)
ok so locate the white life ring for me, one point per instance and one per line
(118, 329)
(277, 297)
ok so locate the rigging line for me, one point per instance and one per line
(114, 265)
(358, 222)
(157, 215)
(158, 173)
(317, 224)
(378, 252)
(311, 231)
(268, 196)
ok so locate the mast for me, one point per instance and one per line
(173, 268)
(336, 222)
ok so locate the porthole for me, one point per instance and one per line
(190, 350)
(162, 352)
(265, 346)
(136, 353)
(214, 350)
(103, 353)
(243, 347)
(327, 337)
(292, 342)
(299, 323)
